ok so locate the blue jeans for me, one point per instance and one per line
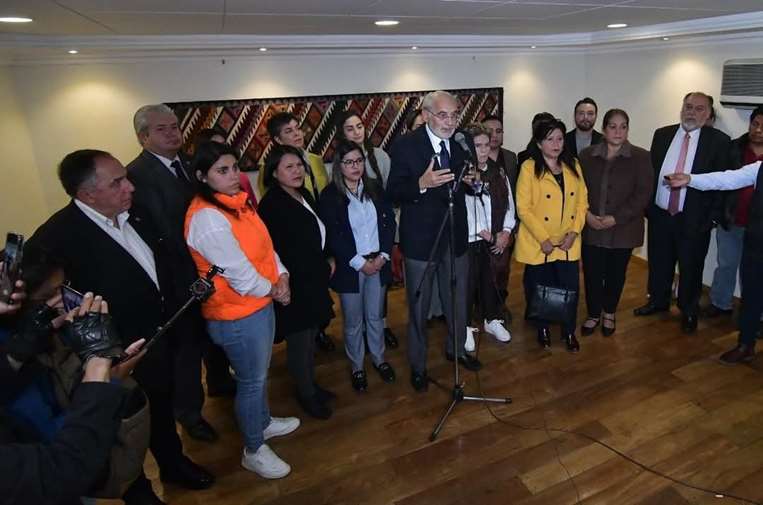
(729, 244)
(248, 343)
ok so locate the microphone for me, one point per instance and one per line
(461, 141)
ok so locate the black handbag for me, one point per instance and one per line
(552, 304)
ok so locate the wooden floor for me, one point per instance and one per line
(649, 391)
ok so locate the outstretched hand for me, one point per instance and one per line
(677, 180)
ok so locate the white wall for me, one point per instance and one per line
(54, 109)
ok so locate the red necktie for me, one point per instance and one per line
(675, 194)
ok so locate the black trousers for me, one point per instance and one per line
(604, 277)
(186, 348)
(481, 288)
(670, 243)
(300, 360)
(562, 274)
(751, 274)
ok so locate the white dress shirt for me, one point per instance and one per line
(435, 140)
(211, 235)
(727, 180)
(670, 163)
(125, 235)
(479, 214)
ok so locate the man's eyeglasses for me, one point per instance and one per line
(358, 162)
(442, 115)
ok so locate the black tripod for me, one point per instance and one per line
(457, 392)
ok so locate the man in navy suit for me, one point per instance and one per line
(424, 163)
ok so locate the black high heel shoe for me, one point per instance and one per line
(544, 338)
(571, 342)
(588, 330)
(607, 331)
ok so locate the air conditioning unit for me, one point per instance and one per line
(742, 85)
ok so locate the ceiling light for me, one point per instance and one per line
(533, 47)
(263, 49)
(617, 25)
(72, 51)
(665, 38)
(386, 22)
(414, 47)
(13, 19)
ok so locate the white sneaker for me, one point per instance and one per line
(495, 328)
(469, 345)
(280, 426)
(265, 463)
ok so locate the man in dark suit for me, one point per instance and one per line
(507, 162)
(584, 134)
(424, 163)
(163, 190)
(109, 251)
(680, 219)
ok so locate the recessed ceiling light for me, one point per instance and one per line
(414, 47)
(263, 49)
(533, 47)
(13, 19)
(72, 51)
(386, 22)
(665, 38)
(617, 25)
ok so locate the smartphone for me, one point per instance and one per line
(11, 272)
(71, 298)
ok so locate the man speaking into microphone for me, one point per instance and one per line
(425, 163)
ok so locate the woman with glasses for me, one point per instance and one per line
(552, 201)
(350, 127)
(360, 227)
(619, 178)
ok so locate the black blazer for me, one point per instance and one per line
(422, 213)
(164, 199)
(571, 144)
(700, 207)
(340, 242)
(297, 240)
(93, 261)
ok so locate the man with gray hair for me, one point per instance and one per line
(163, 190)
(424, 163)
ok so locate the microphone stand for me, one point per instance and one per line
(457, 391)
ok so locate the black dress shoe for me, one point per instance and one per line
(740, 354)
(359, 381)
(588, 330)
(390, 340)
(200, 430)
(187, 474)
(419, 381)
(469, 362)
(386, 372)
(544, 338)
(713, 311)
(571, 342)
(689, 324)
(650, 308)
(314, 407)
(323, 395)
(324, 342)
(140, 492)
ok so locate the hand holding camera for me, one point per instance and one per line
(89, 331)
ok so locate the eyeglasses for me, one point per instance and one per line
(442, 115)
(358, 162)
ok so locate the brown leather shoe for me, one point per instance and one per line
(740, 354)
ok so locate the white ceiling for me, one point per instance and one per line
(352, 17)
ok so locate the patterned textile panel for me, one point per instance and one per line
(384, 115)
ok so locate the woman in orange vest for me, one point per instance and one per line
(222, 228)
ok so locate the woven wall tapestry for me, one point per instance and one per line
(384, 115)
